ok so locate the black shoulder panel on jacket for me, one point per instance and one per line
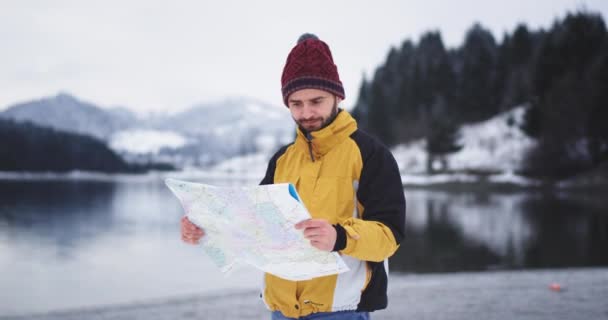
(380, 188)
(272, 165)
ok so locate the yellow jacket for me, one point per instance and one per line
(350, 179)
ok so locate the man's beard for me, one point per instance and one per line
(326, 122)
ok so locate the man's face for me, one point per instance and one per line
(312, 109)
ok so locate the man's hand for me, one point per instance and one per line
(190, 232)
(322, 234)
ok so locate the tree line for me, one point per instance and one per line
(425, 90)
(32, 148)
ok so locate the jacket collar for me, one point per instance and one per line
(322, 141)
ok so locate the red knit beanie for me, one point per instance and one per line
(310, 66)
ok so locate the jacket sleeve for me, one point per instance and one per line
(272, 165)
(377, 234)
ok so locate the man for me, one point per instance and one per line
(349, 183)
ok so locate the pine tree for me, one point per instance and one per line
(442, 140)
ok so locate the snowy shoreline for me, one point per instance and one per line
(488, 295)
(502, 181)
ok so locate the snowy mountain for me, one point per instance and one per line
(124, 115)
(223, 129)
(227, 117)
(67, 113)
(202, 135)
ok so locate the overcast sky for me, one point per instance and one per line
(168, 55)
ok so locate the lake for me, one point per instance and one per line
(74, 243)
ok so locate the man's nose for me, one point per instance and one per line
(306, 112)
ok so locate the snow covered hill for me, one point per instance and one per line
(67, 113)
(495, 145)
(229, 117)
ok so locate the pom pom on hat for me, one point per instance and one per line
(310, 65)
(307, 36)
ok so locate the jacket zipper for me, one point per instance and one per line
(309, 140)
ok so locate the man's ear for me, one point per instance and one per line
(338, 100)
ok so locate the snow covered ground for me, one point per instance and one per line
(497, 145)
(144, 141)
(479, 295)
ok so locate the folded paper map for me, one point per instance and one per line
(255, 225)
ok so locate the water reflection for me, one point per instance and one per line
(448, 232)
(52, 213)
(569, 232)
(71, 214)
(68, 244)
